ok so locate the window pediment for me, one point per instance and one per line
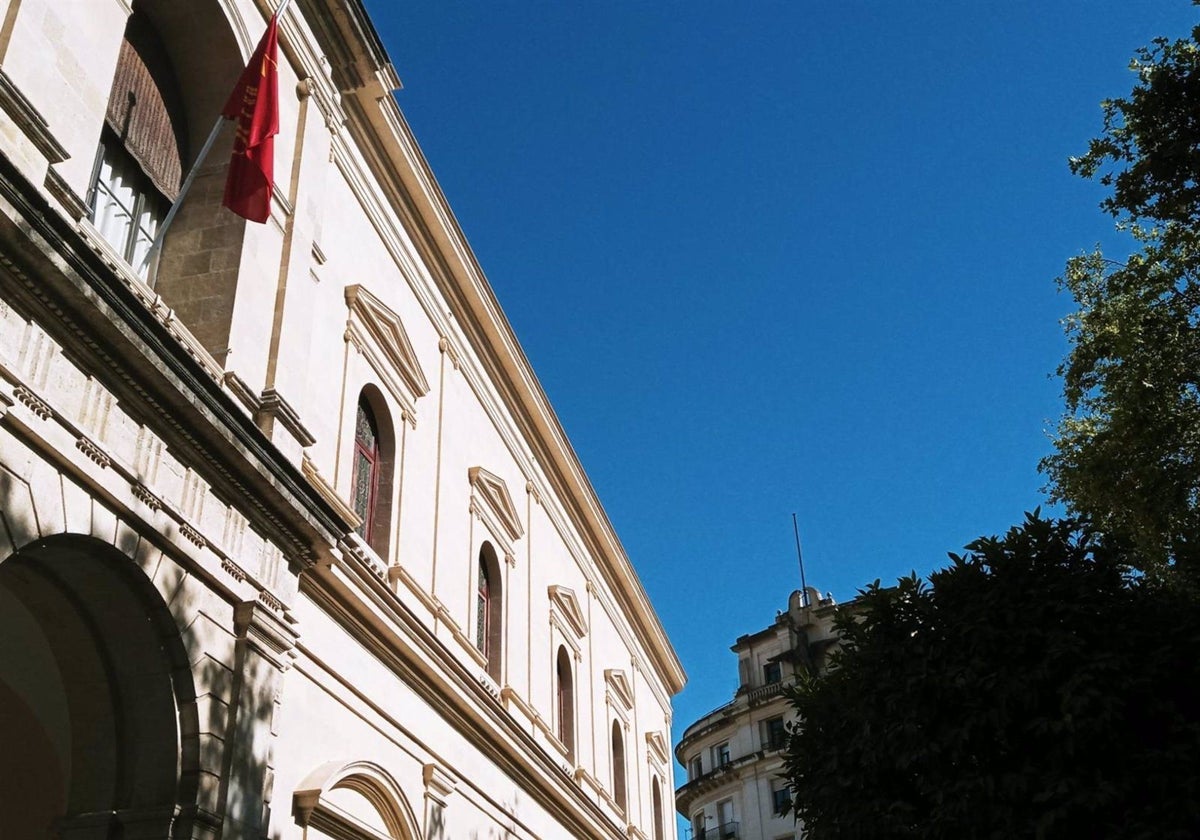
(491, 501)
(657, 746)
(377, 331)
(567, 605)
(619, 686)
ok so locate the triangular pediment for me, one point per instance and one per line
(619, 683)
(382, 327)
(658, 746)
(568, 605)
(493, 492)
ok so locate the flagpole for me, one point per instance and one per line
(800, 557)
(161, 234)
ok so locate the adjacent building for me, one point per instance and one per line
(292, 544)
(733, 756)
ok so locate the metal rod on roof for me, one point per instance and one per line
(800, 557)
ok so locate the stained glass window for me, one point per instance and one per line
(482, 608)
(366, 469)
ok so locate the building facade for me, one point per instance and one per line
(292, 544)
(733, 756)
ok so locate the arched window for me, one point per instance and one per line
(656, 803)
(139, 165)
(618, 767)
(366, 468)
(489, 610)
(565, 696)
(372, 461)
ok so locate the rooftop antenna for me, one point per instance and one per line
(800, 557)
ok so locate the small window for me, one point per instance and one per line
(720, 754)
(781, 800)
(772, 673)
(618, 767)
(774, 734)
(695, 768)
(698, 826)
(565, 691)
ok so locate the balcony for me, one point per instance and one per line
(725, 831)
(764, 692)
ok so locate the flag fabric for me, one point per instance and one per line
(254, 106)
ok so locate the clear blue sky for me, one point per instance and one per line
(770, 257)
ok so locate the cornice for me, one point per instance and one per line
(384, 139)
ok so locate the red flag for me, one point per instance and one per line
(254, 104)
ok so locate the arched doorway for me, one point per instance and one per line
(97, 705)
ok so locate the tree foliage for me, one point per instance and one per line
(1127, 450)
(1033, 689)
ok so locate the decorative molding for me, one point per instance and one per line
(233, 570)
(93, 451)
(32, 124)
(57, 186)
(378, 333)
(240, 389)
(192, 535)
(31, 401)
(355, 547)
(619, 687)
(6, 402)
(142, 493)
(564, 601)
(327, 492)
(657, 747)
(439, 784)
(444, 346)
(272, 406)
(318, 255)
(491, 502)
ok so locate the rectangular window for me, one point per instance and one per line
(698, 826)
(772, 673)
(695, 768)
(721, 754)
(774, 734)
(781, 800)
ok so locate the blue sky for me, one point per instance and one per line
(779, 257)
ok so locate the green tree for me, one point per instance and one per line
(1127, 450)
(1033, 689)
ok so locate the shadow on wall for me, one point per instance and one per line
(119, 714)
(504, 831)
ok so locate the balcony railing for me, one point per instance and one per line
(725, 831)
(762, 692)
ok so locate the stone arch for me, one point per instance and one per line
(316, 803)
(92, 667)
